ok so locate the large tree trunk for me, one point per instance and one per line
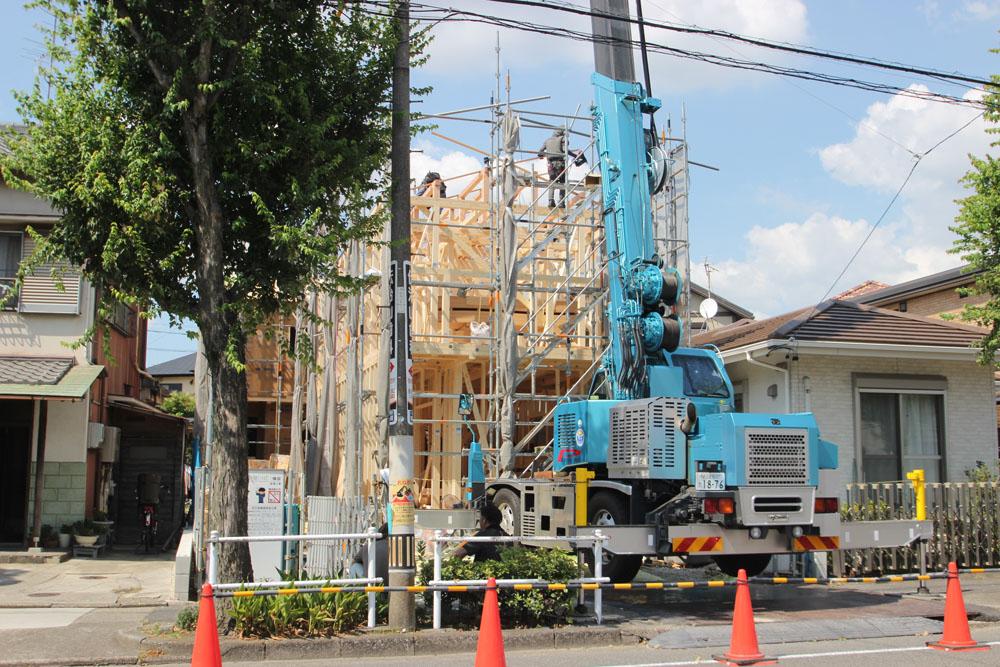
(228, 507)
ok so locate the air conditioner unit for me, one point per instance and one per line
(109, 448)
(95, 435)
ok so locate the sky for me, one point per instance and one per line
(804, 169)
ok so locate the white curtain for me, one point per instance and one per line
(921, 429)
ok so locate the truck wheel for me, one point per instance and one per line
(754, 564)
(607, 509)
(509, 504)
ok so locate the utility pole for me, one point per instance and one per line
(402, 612)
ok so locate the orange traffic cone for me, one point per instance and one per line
(206, 636)
(743, 642)
(489, 650)
(956, 636)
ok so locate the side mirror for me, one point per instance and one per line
(690, 422)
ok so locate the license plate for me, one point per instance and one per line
(710, 481)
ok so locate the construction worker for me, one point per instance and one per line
(429, 180)
(489, 526)
(555, 151)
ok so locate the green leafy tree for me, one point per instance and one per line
(178, 403)
(978, 231)
(211, 160)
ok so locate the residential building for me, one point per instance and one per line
(935, 295)
(728, 312)
(176, 375)
(895, 391)
(75, 420)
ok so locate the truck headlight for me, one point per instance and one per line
(758, 533)
(797, 531)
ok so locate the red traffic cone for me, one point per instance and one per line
(956, 636)
(489, 650)
(206, 651)
(743, 642)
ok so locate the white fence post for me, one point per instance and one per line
(371, 576)
(437, 578)
(598, 574)
(213, 565)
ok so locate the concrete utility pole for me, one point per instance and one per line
(401, 487)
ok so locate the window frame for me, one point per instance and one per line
(901, 385)
(15, 305)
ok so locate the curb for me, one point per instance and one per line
(385, 644)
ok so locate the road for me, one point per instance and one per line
(864, 653)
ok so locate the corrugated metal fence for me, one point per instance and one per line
(966, 518)
(327, 515)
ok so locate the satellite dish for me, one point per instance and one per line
(708, 308)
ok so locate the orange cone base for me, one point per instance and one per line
(956, 647)
(743, 660)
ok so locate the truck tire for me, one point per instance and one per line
(754, 564)
(608, 509)
(509, 504)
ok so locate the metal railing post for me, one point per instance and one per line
(598, 574)
(437, 578)
(213, 564)
(371, 576)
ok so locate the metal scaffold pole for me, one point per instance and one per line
(400, 414)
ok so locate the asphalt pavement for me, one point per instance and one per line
(910, 651)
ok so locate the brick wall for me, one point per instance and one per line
(63, 494)
(936, 303)
(970, 409)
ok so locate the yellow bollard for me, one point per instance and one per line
(582, 476)
(920, 487)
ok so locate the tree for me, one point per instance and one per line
(978, 231)
(210, 160)
(179, 404)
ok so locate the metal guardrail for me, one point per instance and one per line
(247, 589)
(588, 585)
(596, 541)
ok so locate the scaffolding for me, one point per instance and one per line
(508, 300)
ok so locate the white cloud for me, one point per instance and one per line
(457, 168)
(793, 264)
(467, 50)
(979, 10)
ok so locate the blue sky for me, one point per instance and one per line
(805, 168)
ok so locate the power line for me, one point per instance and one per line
(768, 44)
(916, 162)
(433, 12)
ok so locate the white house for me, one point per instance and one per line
(894, 391)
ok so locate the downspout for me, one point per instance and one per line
(783, 371)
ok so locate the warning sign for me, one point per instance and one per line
(401, 499)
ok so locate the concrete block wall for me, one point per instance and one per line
(824, 385)
(63, 494)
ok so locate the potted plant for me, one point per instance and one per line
(86, 533)
(48, 537)
(65, 534)
(104, 526)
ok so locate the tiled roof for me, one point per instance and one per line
(179, 366)
(38, 370)
(73, 384)
(848, 322)
(866, 287)
(952, 277)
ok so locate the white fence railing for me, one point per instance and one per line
(369, 537)
(596, 541)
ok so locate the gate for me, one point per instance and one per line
(328, 515)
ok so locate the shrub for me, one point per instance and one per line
(517, 608)
(66, 529)
(303, 615)
(187, 618)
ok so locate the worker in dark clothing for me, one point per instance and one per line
(555, 151)
(428, 181)
(359, 568)
(489, 526)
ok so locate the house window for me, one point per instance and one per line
(901, 431)
(10, 259)
(169, 388)
(902, 306)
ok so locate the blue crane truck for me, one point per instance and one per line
(657, 457)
